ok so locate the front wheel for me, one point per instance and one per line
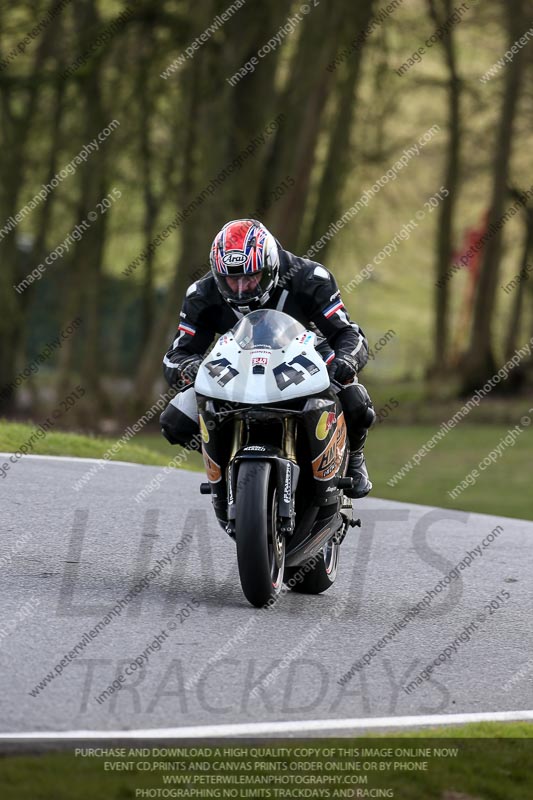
(318, 577)
(260, 547)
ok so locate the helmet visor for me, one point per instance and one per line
(242, 288)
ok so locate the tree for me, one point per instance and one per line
(440, 11)
(515, 318)
(479, 362)
(18, 102)
(339, 155)
(303, 102)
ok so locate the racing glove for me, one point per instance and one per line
(343, 369)
(189, 369)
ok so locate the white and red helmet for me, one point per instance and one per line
(245, 263)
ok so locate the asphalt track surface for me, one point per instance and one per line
(68, 557)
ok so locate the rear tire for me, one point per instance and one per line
(260, 551)
(321, 575)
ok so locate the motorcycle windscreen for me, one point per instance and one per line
(268, 328)
(267, 357)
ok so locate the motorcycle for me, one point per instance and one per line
(275, 451)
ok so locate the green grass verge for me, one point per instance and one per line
(503, 489)
(151, 449)
(500, 769)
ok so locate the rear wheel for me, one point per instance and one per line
(318, 577)
(260, 548)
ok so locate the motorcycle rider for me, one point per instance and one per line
(250, 270)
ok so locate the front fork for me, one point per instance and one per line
(286, 471)
(288, 444)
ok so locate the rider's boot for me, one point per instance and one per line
(357, 467)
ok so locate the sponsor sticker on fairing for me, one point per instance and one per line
(213, 470)
(327, 464)
(261, 356)
(325, 423)
(203, 429)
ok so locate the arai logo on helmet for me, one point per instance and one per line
(234, 258)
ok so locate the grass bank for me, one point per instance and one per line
(503, 489)
(461, 763)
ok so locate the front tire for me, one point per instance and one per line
(260, 549)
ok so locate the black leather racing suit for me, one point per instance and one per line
(306, 291)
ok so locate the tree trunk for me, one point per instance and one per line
(303, 104)
(90, 248)
(451, 183)
(18, 108)
(150, 366)
(515, 319)
(210, 145)
(478, 363)
(151, 206)
(254, 102)
(338, 161)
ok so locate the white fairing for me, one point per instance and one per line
(243, 370)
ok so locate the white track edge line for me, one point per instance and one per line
(84, 459)
(292, 726)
